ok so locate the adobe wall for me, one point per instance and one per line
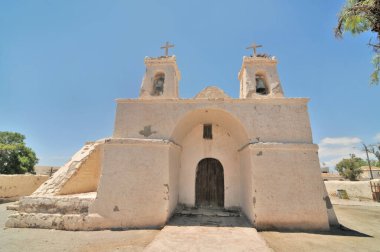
(367, 173)
(271, 167)
(287, 187)
(354, 189)
(263, 66)
(167, 66)
(14, 186)
(222, 147)
(263, 134)
(173, 187)
(134, 189)
(268, 119)
(246, 187)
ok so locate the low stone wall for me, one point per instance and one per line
(14, 186)
(354, 189)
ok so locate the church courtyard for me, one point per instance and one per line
(360, 219)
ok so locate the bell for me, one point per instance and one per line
(159, 86)
(260, 86)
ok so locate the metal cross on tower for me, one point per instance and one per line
(166, 47)
(254, 47)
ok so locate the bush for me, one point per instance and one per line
(15, 156)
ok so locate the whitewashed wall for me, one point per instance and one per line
(222, 147)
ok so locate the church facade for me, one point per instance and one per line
(254, 154)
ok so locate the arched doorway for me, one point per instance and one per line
(209, 187)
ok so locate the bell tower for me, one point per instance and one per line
(161, 77)
(258, 76)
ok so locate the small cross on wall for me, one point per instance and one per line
(254, 47)
(166, 47)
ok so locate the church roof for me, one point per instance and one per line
(212, 92)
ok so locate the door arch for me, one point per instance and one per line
(209, 184)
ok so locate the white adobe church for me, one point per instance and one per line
(254, 153)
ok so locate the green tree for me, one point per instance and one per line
(15, 156)
(349, 168)
(359, 16)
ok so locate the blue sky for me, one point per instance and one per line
(63, 63)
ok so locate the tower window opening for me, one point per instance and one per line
(207, 131)
(260, 85)
(158, 84)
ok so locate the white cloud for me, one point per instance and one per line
(332, 163)
(334, 149)
(331, 151)
(377, 137)
(346, 141)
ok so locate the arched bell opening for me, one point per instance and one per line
(158, 84)
(261, 85)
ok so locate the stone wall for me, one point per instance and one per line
(14, 186)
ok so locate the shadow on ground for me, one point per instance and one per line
(209, 218)
(340, 231)
(234, 218)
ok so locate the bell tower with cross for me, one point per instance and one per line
(258, 76)
(161, 76)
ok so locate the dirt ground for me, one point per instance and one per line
(361, 233)
(208, 230)
(41, 240)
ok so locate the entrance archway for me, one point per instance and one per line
(209, 185)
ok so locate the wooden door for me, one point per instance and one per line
(209, 188)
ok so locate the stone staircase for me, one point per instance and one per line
(73, 204)
(53, 185)
(210, 212)
(186, 216)
(50, 211)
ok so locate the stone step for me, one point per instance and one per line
(208, 212)
(55, 205)
(14, 207)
